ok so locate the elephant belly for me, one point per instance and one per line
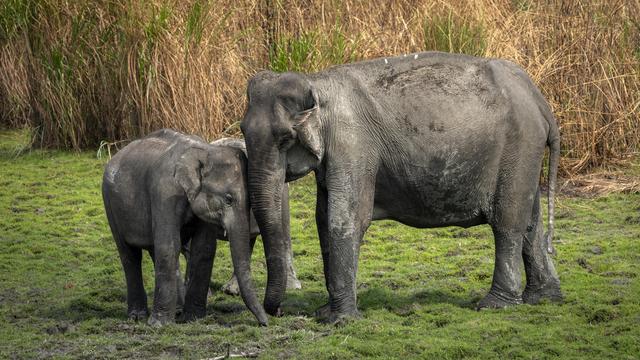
(429, 216)
(426, 197)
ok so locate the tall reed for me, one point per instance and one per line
(83, 72)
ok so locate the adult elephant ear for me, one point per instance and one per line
(188, 171)
(307, 125)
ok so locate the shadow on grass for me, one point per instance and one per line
(93, 305)
(223, 309)
(385, 298)
(306, 302)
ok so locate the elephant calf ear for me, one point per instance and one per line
(188, 171)
(307, 126)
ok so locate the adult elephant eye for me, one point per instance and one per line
(228, 199)
(286, 139)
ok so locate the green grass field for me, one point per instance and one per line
(62, 290)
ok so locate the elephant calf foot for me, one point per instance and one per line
(550, 292)
(138, 314)
(158, 320)
(495, 300)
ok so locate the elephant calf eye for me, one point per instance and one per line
(228, 199)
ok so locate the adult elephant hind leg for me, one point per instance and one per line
(542, 279)
(505, 288)
(512, 212)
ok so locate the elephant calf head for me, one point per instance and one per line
(214, 181)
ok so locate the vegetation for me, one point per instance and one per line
(62, 290)
(82, 72)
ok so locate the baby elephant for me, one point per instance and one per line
(169, 189)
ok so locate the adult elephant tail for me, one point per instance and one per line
(553, 141)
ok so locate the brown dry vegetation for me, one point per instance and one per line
(83, 72)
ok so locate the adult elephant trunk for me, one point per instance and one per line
(266, 172)
(239, 241)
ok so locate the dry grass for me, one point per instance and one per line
(602, 182)
(79, 73)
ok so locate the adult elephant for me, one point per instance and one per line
(429, 139)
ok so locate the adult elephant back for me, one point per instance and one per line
(428, 139)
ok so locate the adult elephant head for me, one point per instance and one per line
(283, 134)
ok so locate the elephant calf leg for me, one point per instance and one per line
(131, 259)
(165, 296)
(203, 247)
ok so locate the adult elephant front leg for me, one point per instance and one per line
(324, 311)
(349, 210)
(203, 251)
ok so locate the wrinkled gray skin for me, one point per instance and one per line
(429, 140)
(165, 190)
(232, 287)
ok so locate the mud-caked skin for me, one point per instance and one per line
(169, 190)
(428, 139)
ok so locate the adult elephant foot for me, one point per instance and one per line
(340, 319)
(550, 291)
(137, 315)
(323, 312)
(158, 320)
(326, 316)
(495, 300)
(191, 315)
(231, 287)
